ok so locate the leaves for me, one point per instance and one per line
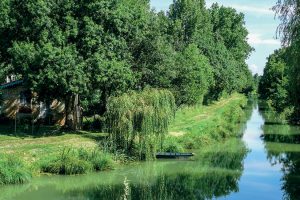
(100, 48)
(140, 119)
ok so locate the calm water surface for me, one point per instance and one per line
(264, 164)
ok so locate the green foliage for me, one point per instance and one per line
(1, 99)
(288, 12)
(231, 51)
(172, 145)
(194, 76)
(66, 163)
(13, 170)
(100, 161)
(98, 49)
(76, 161)
(140, 120)
(274, 84)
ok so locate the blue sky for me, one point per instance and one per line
(260, 22)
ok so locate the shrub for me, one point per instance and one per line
(13, 170)
(77, 161)
(172, 145)
(99, 160)
(67, 163)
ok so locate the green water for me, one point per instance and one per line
(264, 164)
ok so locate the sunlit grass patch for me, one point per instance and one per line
(203, 125)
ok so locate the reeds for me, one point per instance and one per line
(13, 170)
(76, 161)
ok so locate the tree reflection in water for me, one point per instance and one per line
(214, 173)
(282, 145)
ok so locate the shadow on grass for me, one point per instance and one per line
(97, 136)
(46, 131)
(23, 131)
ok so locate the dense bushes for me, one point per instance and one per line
(172, 145)
(76, 161)
(280, 84)
(13, 170)
(275, 86)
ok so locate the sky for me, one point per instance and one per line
(259, 20)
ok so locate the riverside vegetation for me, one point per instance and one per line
(280, 83)
(193, 127)
(159, 81)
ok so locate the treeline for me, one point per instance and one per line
(101, 48)
(280, 84)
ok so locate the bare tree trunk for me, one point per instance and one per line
(73, 113)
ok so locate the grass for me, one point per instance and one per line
(32, 149)
(76, 161)
(77, 153)
(198, 126)
(13, 170)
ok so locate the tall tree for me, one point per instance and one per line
(289, 13)
(193, 78)
(233, 49)
(273, 85)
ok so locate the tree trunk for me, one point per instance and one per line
(73, 113)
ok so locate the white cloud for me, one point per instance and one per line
(253, 9)
(256, 69)
(246, 8)
(256, 39)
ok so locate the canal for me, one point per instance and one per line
(263, 164)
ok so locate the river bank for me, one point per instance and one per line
(193, 128)
(263, 164)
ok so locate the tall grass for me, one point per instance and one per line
(76, 161)
(13, 170)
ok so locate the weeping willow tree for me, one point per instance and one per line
(138, 121)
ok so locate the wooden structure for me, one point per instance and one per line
(18, 101)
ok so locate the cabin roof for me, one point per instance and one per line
(11, 84)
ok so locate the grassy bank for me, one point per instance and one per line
(197, 126)
(194, 127)
(77, 153)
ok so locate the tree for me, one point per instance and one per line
(273, 85)
(83, 52)
(109, 78)
(154, 59)
(193, 78)
(59, 46)
(289, 14)
(232, 50)
(137, 121)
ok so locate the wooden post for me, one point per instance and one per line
(32, 124)
(18, 103)
(16, 123)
